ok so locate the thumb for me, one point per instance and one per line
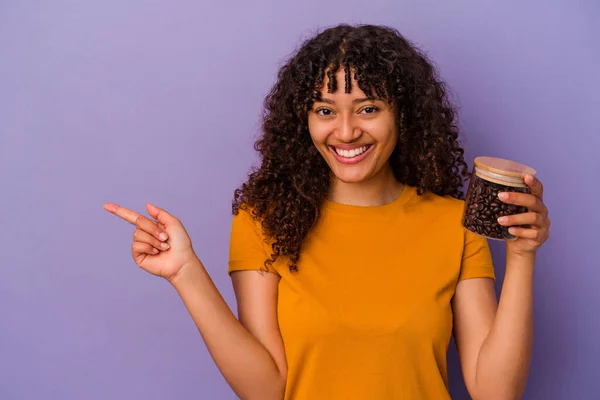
(159, 214)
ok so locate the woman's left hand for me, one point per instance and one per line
(531, 238)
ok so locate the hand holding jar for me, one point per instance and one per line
(505, 202)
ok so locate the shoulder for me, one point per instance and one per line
(247, 225)
(244, 213)
(249, 248)
(439, 216)
(245, 221)
(437, 206)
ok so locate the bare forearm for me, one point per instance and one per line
(505, 356)
(244, 362)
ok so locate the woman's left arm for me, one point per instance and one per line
(494, 341)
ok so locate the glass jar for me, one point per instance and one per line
(482, 206)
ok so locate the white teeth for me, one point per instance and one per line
(351, 153)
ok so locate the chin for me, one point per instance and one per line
(351, 176)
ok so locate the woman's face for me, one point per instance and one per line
(355, 135)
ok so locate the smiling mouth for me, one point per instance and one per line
(350, 154)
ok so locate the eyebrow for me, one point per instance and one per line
(355, 101)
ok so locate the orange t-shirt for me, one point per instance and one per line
(368, 314)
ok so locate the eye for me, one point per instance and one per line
(369, 110)
(324, 112)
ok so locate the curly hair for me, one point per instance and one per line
(285, 193)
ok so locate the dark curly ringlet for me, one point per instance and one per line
(286, 191)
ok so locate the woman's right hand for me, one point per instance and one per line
(161, 246)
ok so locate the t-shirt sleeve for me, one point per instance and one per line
(247, 249)
(476, 259)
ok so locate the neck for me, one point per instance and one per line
(377, 191)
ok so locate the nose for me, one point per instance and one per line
(348, 132)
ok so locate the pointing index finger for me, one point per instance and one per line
(125, 213)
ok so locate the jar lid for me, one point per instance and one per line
(504, 167)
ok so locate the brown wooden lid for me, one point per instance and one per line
(504, 167)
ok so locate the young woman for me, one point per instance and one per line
(349, 263)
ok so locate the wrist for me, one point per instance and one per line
(520, 257)
(188, 269)
(523, 262)
(512, 253)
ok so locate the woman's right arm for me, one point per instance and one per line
(249, 352)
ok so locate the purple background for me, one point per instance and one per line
(136, 101)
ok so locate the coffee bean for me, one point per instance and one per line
(482, 208)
